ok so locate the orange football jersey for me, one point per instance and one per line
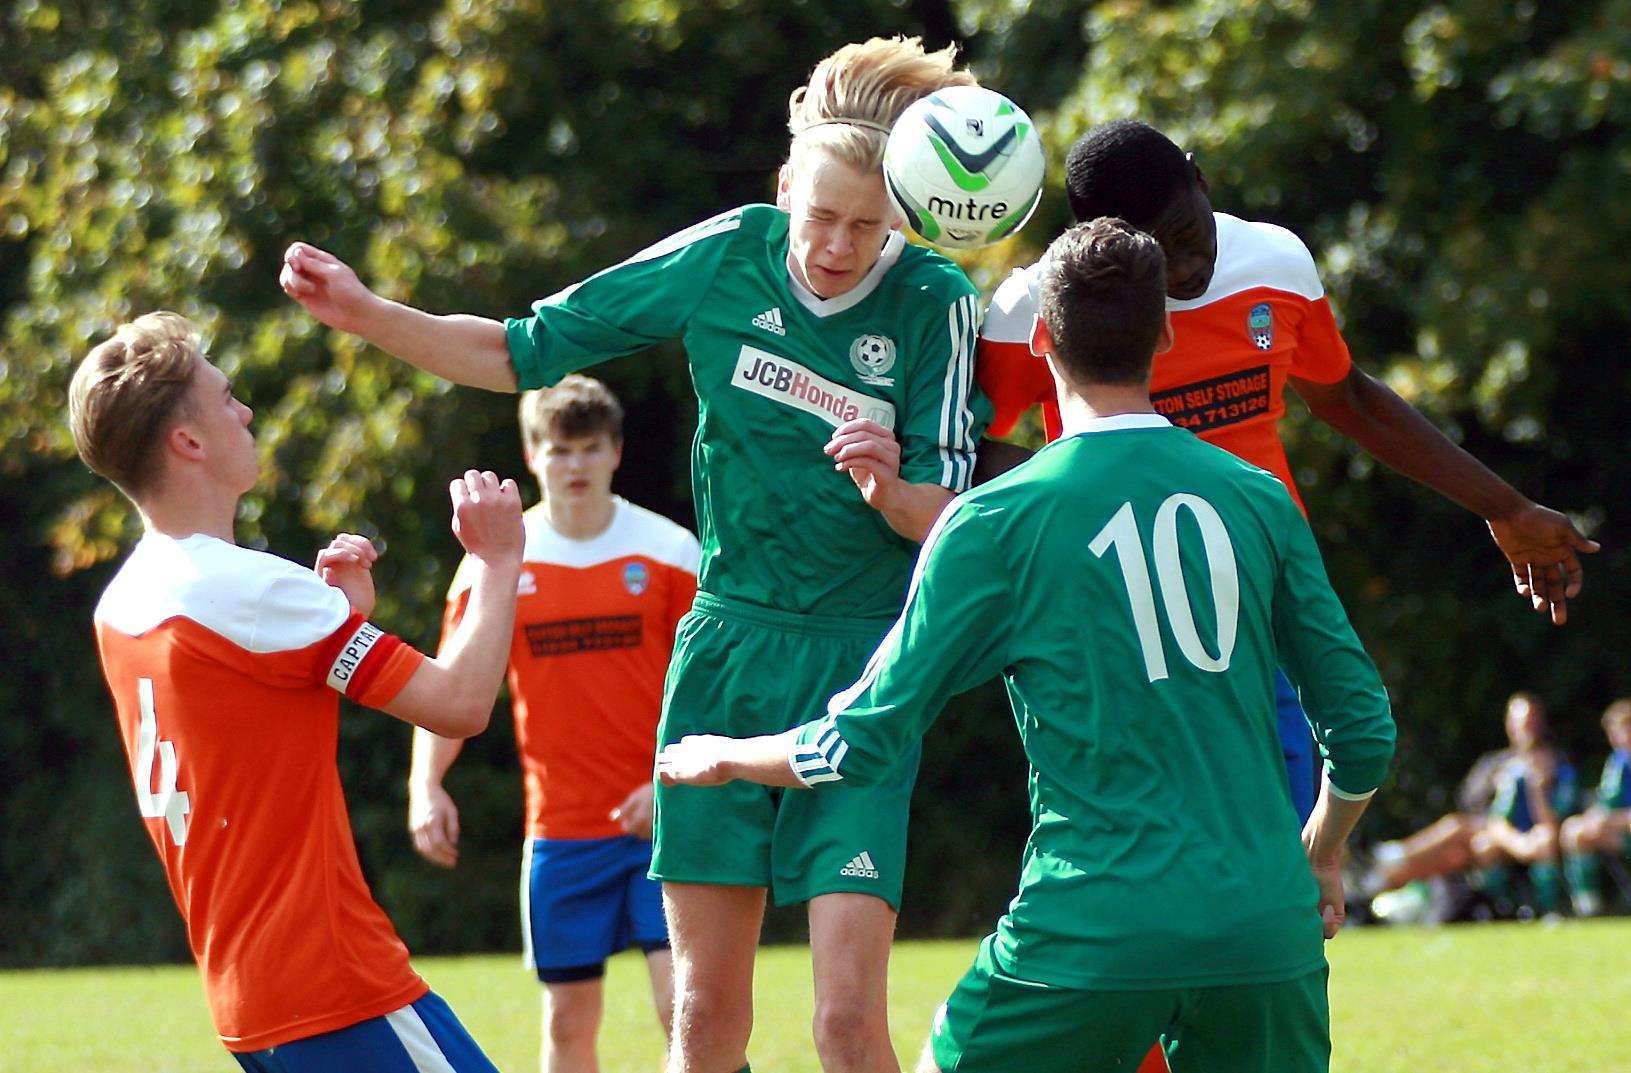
(226, 667)
(1264, 317)
(594, 627)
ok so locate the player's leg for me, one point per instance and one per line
(425, 1035)
(715, 934)
(1538, 848)
(1441, 848)
(1585, 838)
(850, 937)
(660, 967)
(647, 929)
(711, 846)
(572, 1013)
(995, 1023)
(1254, 1028)
(572, 899)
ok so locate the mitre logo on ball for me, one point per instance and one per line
(873, 356)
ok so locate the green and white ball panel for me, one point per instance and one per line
(964, 166)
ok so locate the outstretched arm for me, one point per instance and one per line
(1541, 545)
(462, 348)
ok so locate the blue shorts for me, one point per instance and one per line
(583, 900)
(1297, 746)
(425, 1037)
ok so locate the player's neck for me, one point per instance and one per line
(185, 508)
(580, 519)
(1080, 405)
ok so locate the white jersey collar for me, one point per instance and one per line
(826, 307)
(1115, 423)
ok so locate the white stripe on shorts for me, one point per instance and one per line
(526, 903)
(415, 1037)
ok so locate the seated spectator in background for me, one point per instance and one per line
(1511, 805)
(1606, 826)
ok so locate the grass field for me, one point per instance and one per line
(1535, 998)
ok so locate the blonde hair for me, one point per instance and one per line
(855, 95)
(126, 392)
(577, 406)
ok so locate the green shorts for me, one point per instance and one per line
(742, 670)
(995, 1023)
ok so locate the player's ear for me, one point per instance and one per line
(1041, 339)
(184, 441)
(617, 452)
(1164, 344)
(1200, 176)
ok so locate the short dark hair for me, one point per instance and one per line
(1128, 169)
(1103, 296)
(127, 393)
(577, 406)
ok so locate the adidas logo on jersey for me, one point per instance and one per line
(770, 320)
(861, 867)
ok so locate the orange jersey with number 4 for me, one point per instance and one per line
(226, 667)
(594, 627)
(1263, 318)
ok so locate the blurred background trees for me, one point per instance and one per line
(1462, 171)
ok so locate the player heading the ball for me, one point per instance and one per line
(833, 366)
(226, 667)
(1135, 588)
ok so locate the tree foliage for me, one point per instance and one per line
(1460, 169)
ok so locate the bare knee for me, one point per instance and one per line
(572, 1015)
(847, 1028)
(711, 1020)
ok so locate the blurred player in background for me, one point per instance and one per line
(1514, 804)
(833, 364)
(226, 667)
(603, 585)
(1250, 317)
(1164, 891)
(1604, 829)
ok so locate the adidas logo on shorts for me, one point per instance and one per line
(770, 320)
(861, 867)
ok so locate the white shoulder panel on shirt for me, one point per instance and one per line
(634, 531)
(1253, 254)
(259, 602)
(1013, 308)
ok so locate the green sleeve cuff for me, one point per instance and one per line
(520, 335)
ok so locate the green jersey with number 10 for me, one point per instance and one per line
(776, 369)
(1136, 588)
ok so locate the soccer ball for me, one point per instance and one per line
(964, 166)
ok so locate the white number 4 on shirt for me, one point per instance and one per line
(166, 802)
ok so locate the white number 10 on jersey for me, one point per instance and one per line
(1121, 532)
(166, 802)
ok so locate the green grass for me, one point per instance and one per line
(1535, 998)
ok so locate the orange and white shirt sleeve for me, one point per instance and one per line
(1010, 375)
(226, 666)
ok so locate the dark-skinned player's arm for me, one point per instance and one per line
(1541, 545)
(462, 348)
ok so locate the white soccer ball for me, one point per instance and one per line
(964, 166)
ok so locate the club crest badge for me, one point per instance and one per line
(636, 578)
(527, 585)
(873, 356)
(1260, 325)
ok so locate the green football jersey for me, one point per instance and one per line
(776, 369)
(1136, 588)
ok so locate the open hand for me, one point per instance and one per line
(348, 564)
(635, 813)
(694, 760)
(870, 454)
(1542, 546)
(325, 285)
